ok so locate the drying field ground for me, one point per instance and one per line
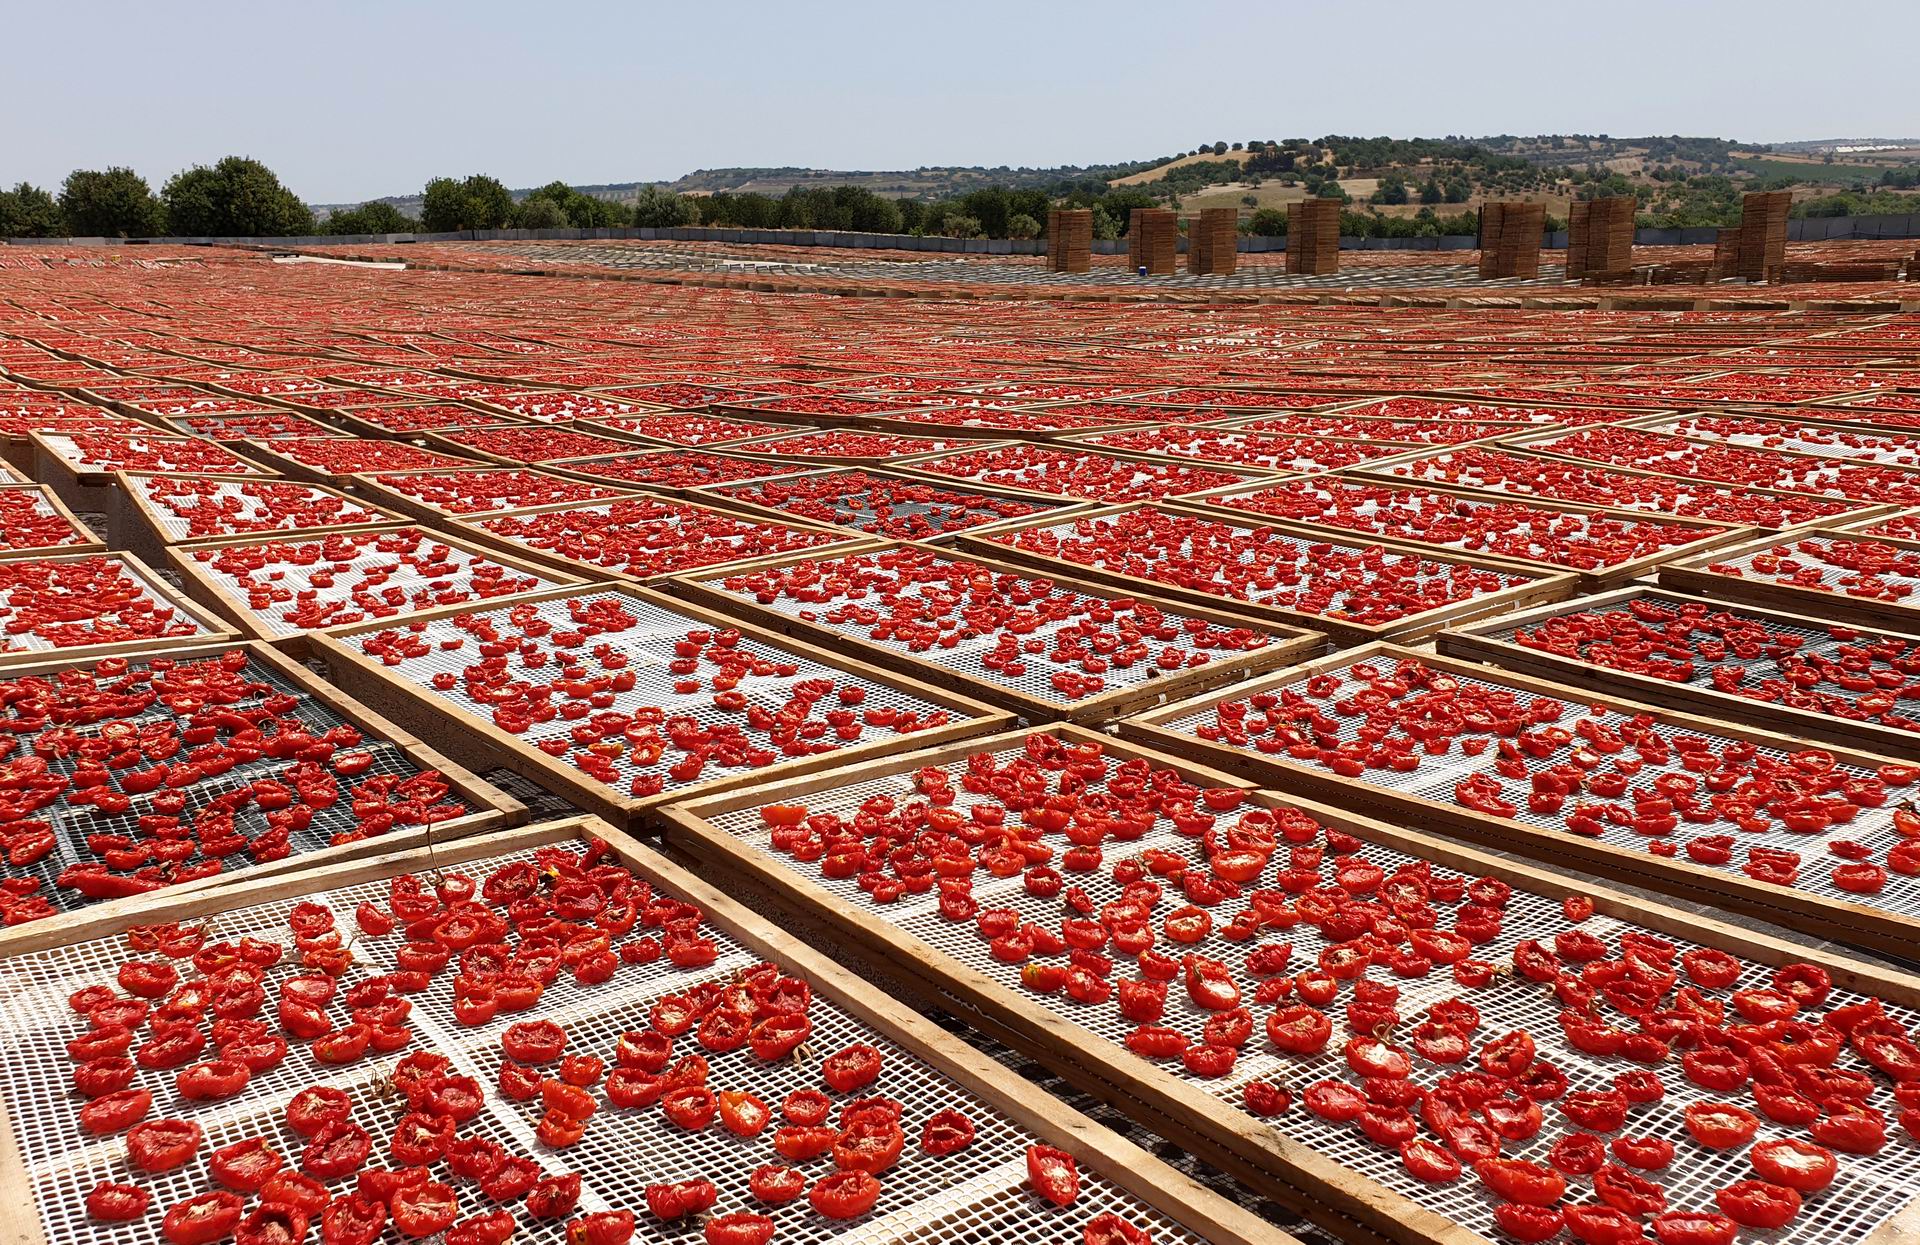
(662, 742)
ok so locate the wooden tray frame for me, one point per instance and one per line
(138, 527)
(1125, 1165)
(1866, 511)
(345, 421)
(1527, 442)
(217, 629)
(581, 469)
(1214, 1129)
(1547, 586)
(867, 462)
(607, 429)
(92, 543)
(1389, 449)
(96, 491)
(1291, 644)
(438, 440)
(493, 809)
(295, 470)
(205, 589)
(1476, 642)
(1713, 535)
(1693, 578)
(1842, 921)
(469, 527)
(240, 444)
(1060, 506)
(368, 484)
(1252, 477)
(482, 746)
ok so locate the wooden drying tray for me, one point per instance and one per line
(605, 426)
(1789, 416)
(1376, 471)
(89, 543)
(371, 485)
(1056, 506)
(1864, 527)
(294, 469)
(1840, 920)
(212, 627)
(139, 527)
(210, 591)
(493, 809)
(1214, 1128)
(470, 527)
(1535, 442)
(1289, 644)
(869, 462)
(1694, 577)
(582, 469)
(241, 444)
(479, 743)
(1200, 1211)
(1545, 586)
(345, 420)
(94, 489)
(19, 451)
(1491, 642)
(1389, 451)
(1250, 477)
(1710, 535)
(437, 439)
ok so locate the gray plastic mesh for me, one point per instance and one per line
(978, 1195)
(1869, 1190)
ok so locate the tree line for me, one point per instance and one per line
(236, 197)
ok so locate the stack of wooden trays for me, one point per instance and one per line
(1211, 242)
(1313, 236)
(1763, 233)
(1070, 239)
(1510, 239)
(1159, 241)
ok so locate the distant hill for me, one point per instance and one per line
(1270, 172)
(922, 183)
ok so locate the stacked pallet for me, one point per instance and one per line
(1070, 239)
(1134, 251)
(1726, 253)
(1212, 242)
(1607, 247)
(1577, 214)
(1159, 240)
(1510, 239)
(1313, 236)
(1757, 249)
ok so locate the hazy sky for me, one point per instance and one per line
(354, 100)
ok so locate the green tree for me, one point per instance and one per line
(116, 203)
(30, 212)
(1430, 192)
(375, 217)
(540, 214)
(583, 211)
(239, 198)
(961, 225)
(1105, 227)
(1022, 226)
(1392, 189)
(1267, 223)
(655, 208)
(479, 202)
